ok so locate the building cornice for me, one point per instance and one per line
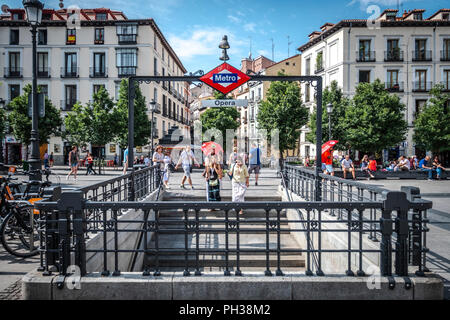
(363, 24)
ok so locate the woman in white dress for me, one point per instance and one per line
(239, 181)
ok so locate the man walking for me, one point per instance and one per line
(187, 159)
(73, 163)
(255, 161)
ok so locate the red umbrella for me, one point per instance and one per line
(328, 145)
(207, 147)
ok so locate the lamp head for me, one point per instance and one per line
(152, 105)
(34, 11)
(329, 108)
(224, 43)
(224, 56)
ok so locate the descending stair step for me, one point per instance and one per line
(249, 213)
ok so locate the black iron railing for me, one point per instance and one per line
(302, 182)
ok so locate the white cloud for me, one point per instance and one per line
(234, 19)
(365, 3)
(203, 42)
(250, 27)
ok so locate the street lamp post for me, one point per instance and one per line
(329, 111)
(152, 109)
(224, 45)
(34, 16)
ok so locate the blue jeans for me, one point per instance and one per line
(430, 172)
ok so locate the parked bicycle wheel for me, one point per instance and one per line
(17, 236)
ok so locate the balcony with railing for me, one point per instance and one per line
(422, 86)
(127, 38)
(393, 56)
(319, 68)
(126, 71)
(95, 72)
(394, 86)
(446, 85)
(67, 104)
(445, 55)
(70, 72)
(13, 72)
(164, 85)
(365, 56)
(157, 108)
(422, 55)
(44, 73)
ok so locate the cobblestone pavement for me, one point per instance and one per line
(13, 292)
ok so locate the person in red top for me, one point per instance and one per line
(327, 162)
(372, 166)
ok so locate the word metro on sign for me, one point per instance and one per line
(225, 78)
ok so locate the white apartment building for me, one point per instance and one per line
(408, 53)
(75, 59)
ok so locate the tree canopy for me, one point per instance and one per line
(142, 124)
(283, 110)
(3, 121)
(375, 119)
(431, 127)
(20, 122)
(334, 95)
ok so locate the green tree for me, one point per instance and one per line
(93, 123)
(20, 122)
(283, 110)
(3, 121)
(141, 121)
(334, 95)
(220, 118)
(431, 127)
(375, 119)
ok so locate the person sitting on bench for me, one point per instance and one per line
(347, 165)
(403, 164)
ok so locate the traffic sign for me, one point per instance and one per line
(225, 78)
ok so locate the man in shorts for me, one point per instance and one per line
(347, 166)
(255, 161)
(187, 159)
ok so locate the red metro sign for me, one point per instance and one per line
(225, 78)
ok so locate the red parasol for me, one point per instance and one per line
(328, 145)
(207, 147)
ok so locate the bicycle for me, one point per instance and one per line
(18, 231)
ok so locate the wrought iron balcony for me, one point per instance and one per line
(126, 38)
(422, 55)
(394, 86)
(95, 72)
(13, 72)
(319, 68)
(157, 108)
(67, 104)
(445, 55)
(365, 56)
(44, 72)
(422, 86)
(393, 55)
(70, 72)
(126, 71)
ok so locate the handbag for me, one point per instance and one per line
(213, 183)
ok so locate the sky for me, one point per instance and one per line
(194, 28)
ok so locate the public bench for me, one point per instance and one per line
(381, 175)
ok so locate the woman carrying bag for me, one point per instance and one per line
(239, 180)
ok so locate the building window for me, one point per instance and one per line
(445, 16)
(155, 94)
(364, 76)
(71, 97)
(308, 67)
(420, 103)
(127, 33)
(392, 82)
(99, 65)
(421, 53)
(126, 61)
(162, 54)
(446, 81)
(390, 16)
(17, 16)
(42, 37)
(319, 62)
(365, 52)
(117, 90)
(43, 70)
(99, 36)
(307, 92)
(445, 55)
(393, 52)
(154, 42)
(14, 91)
(14, 65)
(71, 36)
(71, 69)
(96, 87)
(155, 67)
(418, 16)
(421, 81)
(14, 37)
(101, 16)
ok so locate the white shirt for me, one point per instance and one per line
(187, 158)
(405, 162)
(158, 157)
(347, 163)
